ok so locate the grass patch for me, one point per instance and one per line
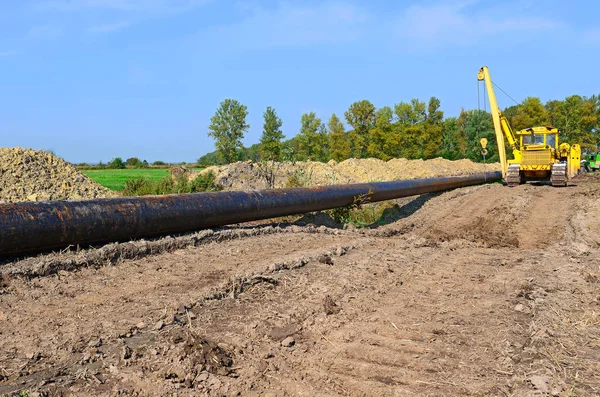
(366, 215)
(168, 185)
(116, 179)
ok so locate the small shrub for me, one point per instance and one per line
(117, 164)
(355, 213)
(300, 178)
(203, 183)
(168, 185)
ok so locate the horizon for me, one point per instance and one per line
(94, 80)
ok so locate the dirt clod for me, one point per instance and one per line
(330, 306)
(288, 342)
(326, 260)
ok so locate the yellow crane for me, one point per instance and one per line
(537, 153)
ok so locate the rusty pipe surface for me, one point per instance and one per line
(40, 226)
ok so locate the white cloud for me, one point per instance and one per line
(110, 27)
(460, 23)
(289, 24)
(146, 6)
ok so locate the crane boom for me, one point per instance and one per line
(537, 154)
(501, 126)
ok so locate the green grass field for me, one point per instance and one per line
(115, 179)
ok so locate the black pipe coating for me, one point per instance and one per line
(40, 226)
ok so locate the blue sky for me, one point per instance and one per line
(96, 79)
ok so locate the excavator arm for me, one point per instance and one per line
(501, 125)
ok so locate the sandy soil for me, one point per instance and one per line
(245, 175)
(37, 175)
(481, 291)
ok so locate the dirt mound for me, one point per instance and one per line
(250, 176)
(35, 175)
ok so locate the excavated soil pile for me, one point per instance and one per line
(35, 175)
(249, 176)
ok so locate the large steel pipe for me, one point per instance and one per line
(37, 226)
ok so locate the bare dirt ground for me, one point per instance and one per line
(481, 291)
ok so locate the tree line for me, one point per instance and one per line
(412, 130)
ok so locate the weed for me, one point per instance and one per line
(300, 178)
(268, 170)
(345, 214)
(143, 186)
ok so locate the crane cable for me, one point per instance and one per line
(504, 92)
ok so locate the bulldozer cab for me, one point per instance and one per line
(539, 138)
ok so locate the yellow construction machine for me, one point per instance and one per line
(538, 156)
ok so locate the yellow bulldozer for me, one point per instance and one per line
(537, 153)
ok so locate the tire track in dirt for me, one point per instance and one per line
(49, 318)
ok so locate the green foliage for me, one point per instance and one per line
(251, 153)
(578, 119)
(348, 213)
(313, 142)
(134, 162)
(270, 142)
(116, 164)
(361, 117)
(289, 150)
(478, 124)
(412, 113)
(208, 159)
(158, 162)
(433, 126)
(339, 141)
(454, 140)
(384, 140)
(417, 129)
(168, 185)
(530, 113)
(227, 127)
(300, 178)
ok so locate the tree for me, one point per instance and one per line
(361, 116)
(454, 141)
(410, 113)
(578, 119)
(251, 153)
(312, 139)
(477, 124)
(530, 113)
(384, 139)
(227, 127)
(136, 162)
(339, 142)
(116, 163)
(410, 127)
(432, 137)
(270, 142)
(209, 159)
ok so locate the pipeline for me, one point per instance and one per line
(40, 226)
